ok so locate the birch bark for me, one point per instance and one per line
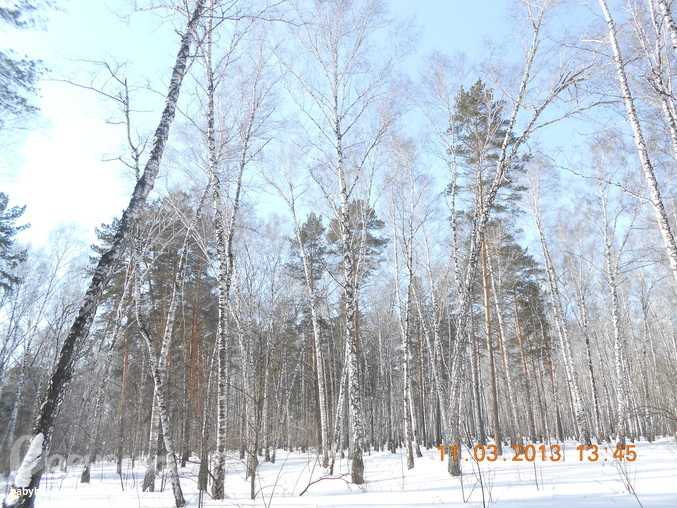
(637, 131)
(404, 333)
(337, 98)
(512, 143)
(317, 338)
(669, 22)
(513, 410)
(565, 343)
(63, 372)
(254, 98)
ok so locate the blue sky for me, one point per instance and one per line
(58, 169)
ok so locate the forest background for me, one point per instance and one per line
(351, 245)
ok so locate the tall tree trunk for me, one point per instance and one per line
(30, 472)
(621, 388)
(646, 344)
(669, 22)
(404, 333)
(476, 381)
(498, 439)
(122, 407)
(225, 233)
(350, 297)
(511, 145)
(338, 416)
(504, 359)
(591, 370)
(98, 409)
(153, 436)
(527, 384)
(572, 379)
(94, 431)
(647, 168)
(159, 360)
(317, 339)
(159, 376)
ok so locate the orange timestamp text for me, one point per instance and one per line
(552, 453)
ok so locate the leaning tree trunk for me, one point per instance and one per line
(509, 149)
(30, 471)
(160, 376)
(647, 168)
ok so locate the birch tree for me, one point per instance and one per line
(610, 212)
(158, 352)
(339, 92)
(532, 95)
(232, 141)
(30, 472)
(669, 21)
(638, 133)
(289, 190)
(407, 200)
(580, 417)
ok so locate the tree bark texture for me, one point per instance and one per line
(647, 167)
(63, 371)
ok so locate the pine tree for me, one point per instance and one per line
(9, 257)
(19, 76)
(312, 235)
(480, 131)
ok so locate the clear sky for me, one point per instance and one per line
(58, 170)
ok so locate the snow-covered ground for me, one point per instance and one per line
(650, 480)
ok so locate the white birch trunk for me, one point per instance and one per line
(512, 143)
(527, 383)
(224, 270)
(225, 233)
(437, 359)
(153, 433)
(404, 333)
(669, 22)
(501, 343)
(586, 334)
(493, 382)
(108, 361)
(647, 168)
(18, 400)
(560, 323)
(158, 363)
(317, 345)
(659, 64)
(63, 370)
